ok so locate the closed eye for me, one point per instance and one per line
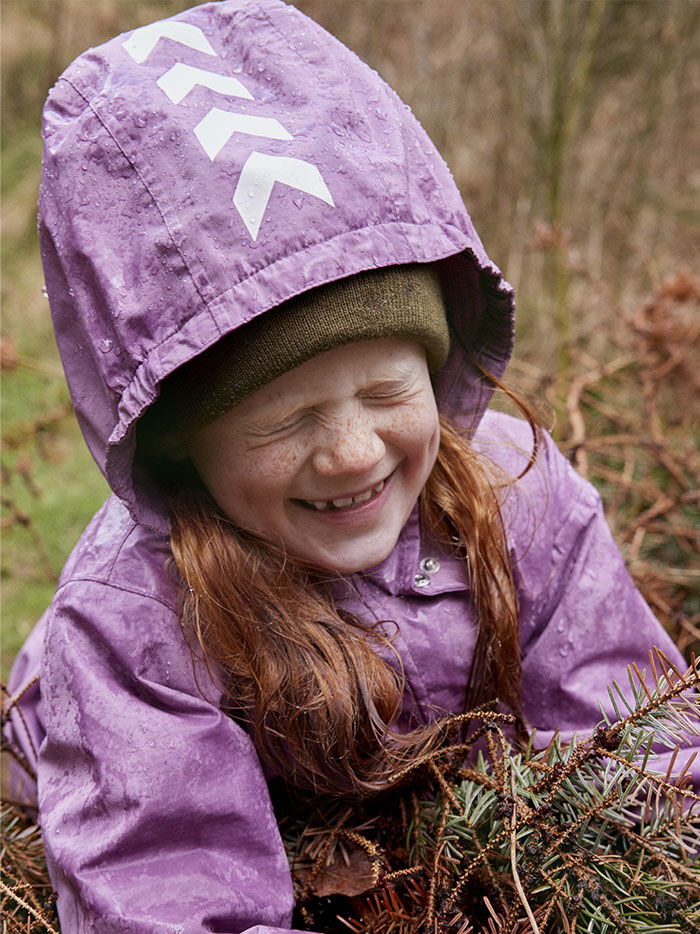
(390, 391)
(272, 429)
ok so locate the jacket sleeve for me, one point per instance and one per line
(24, 723)
(583, 622)
(154, 809)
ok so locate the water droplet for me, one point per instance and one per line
(564, 650)
(105, 345)
(44, 291)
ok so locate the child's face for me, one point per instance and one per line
(329, 458)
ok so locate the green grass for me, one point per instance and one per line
(51, 487)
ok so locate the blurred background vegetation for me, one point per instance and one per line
(573, 131)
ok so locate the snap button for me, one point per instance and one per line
(430, 565)
(421, 580)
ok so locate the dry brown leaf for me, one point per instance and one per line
(339, 877)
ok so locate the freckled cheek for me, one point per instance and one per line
(419, 433)
(251, 489)
(270, 472)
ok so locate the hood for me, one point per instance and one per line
(201, 170)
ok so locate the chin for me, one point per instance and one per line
(356, 561)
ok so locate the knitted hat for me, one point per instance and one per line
(397, 301)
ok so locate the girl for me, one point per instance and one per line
(281, 335)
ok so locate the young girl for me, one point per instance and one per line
(281, 335)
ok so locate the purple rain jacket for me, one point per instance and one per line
(198, 172)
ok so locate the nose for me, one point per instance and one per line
(348, 447)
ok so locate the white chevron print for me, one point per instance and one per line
(260, 171)
(217, 128)
(258, 178)
(179, 80)
(142, 41)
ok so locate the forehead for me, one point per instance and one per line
(338, 371)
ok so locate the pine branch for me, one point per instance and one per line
(590, 835)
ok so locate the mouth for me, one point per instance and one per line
(346, 502)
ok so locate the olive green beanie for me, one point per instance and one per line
(397, 301)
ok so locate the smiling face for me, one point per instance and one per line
(328, 459)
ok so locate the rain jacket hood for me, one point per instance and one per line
(201, 170)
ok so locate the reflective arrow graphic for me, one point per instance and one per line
(178, 81)
(258, 178)
(260, 171)
(217, 128)
(142, 41)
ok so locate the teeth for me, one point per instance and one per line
(323, 504)
(340, 503)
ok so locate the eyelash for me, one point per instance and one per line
(390, 394)
(286, 426)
